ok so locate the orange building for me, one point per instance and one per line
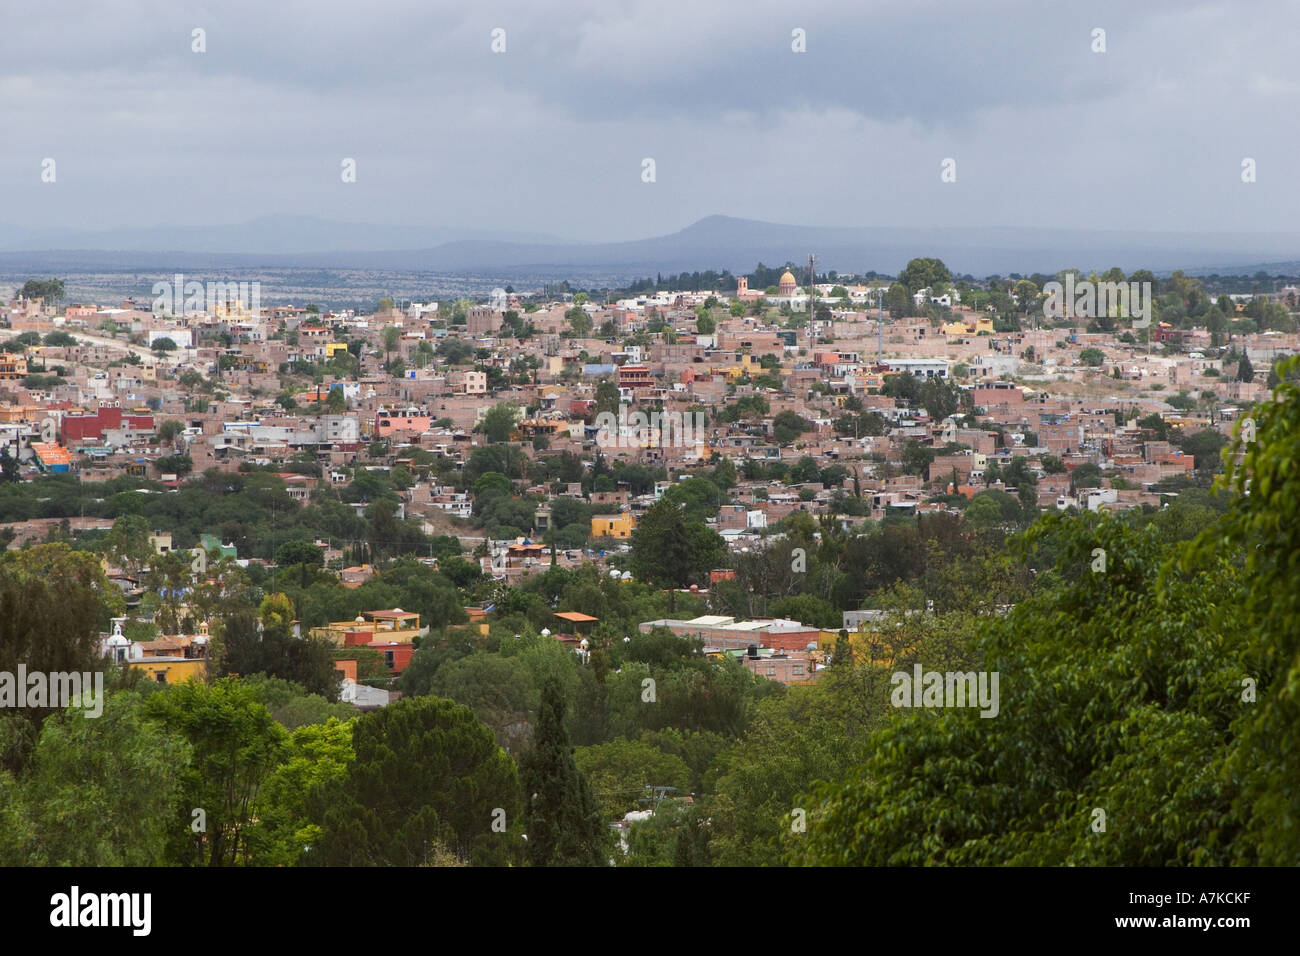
(410, 421)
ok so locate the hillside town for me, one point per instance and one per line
(853, 401)
(630, 528)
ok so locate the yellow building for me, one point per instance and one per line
(746, 366)
(868, 643)
(171, 670)
(613, 526)
(12, 366)
(980, 326)
(334, 348)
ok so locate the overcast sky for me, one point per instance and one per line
(550, 135)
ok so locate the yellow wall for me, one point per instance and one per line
(619, 526)
(176, 671)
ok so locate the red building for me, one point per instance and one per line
(397, 654)
(107, 417)
(635, 376)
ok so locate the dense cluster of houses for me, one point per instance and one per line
(95, 405)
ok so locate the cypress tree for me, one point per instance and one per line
(561, 818)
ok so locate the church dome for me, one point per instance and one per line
(787, 278)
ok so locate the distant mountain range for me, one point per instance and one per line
(716, 242)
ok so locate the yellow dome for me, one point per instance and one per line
(787, 278)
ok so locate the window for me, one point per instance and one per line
(771, 671)
(160, 677)
(388, 659)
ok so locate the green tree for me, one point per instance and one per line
(127, 544)
(667, 553)
(391, 336)
(924, 274)
(9, 467)
(579, 321)
(1127, 681)
(427, 777)
(1265, 740)
(498, 422)
(757, 782)
(236, 744)
(1205, 446)
(984, 511)
(620, 771)
(170, 430)
(251, 645)
(1086, 475)
(179, 465)
(301, 555)
(53, 603)
(59, 339)
(316, 756)
(498, 689)
(607, 397)
(51, 290)
(562, 819)
(101, 792)
(1092, 357)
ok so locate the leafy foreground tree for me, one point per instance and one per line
(1265, 754)
(1117, 691)
(236, 745)
(317, 755)
(53, 602)
(428, 780)
(562, 819)
(100, 793)
(1149, 711)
